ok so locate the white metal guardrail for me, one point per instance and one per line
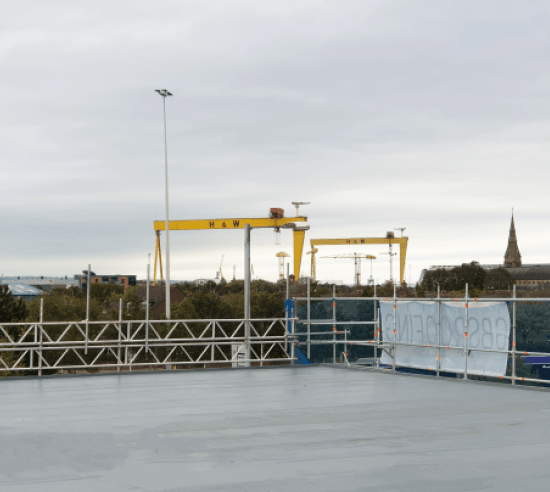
(48, 347)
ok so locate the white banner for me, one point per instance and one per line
(417, 322)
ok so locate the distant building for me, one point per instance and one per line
(159, 308)
(512, 257)
(44, 283)
(124, 280)
(525, 275)
(25, 292)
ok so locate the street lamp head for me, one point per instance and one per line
(163, 92)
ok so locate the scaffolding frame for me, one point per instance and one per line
(340, 337)
(123, 344)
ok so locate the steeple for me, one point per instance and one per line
(512, 257)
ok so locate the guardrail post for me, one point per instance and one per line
(147, 311)
(438, 364)
(334, 325)
(394, 326)
(376, 329)
(286, 305)
(290, 313)
(308, 318)
(247, 295)
(466, 335)
(41, 336)
(126, 361)
(514, 302)
(88, 294)
(213, 341)
(119, 333)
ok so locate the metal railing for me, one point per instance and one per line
(50, 347)
(341, 337)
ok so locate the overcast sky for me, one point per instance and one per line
(429, 115)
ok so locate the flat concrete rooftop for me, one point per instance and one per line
(307, 429)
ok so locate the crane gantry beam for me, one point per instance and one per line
(402, 241)
(260, 223)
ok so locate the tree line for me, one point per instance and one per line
(472, 274)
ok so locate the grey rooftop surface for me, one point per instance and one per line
(307, 429)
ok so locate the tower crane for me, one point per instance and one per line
(282, 255)
(391, 235)
(357, 258)
(313, 262)
(392, 254)
(297, 205)
(371, 278)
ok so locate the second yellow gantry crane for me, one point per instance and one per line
(389, 239)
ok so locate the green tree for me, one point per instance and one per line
(455, 279)
(498, 278)
(469, 273)
(106, 292)
(60, 307)
(11, 311)
(132, 302)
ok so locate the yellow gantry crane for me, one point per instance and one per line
(276, 220)
(389, 239)
(357, 258)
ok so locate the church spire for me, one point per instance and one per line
(512, 257)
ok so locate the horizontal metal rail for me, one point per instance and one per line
(428, 299)
(330, 322)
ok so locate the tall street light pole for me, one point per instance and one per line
(164, 93)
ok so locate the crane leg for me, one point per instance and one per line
(402, 260)
(158, 255)
(299, 237)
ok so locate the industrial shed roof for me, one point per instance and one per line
(24, 290)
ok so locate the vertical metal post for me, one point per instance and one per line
(247, 294)
(394, 326)
(308, 317)
(41, 336)
(346, 342)
(168, 304)
(293, 338)
(286, 299)
(147, 308)
(287, 280)
(128, 360)
(376, 329)
(514, 303)
(88, 293)
(334, 325)
(466, 336)
(438, 365)
(212, 347)
(119, 332)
